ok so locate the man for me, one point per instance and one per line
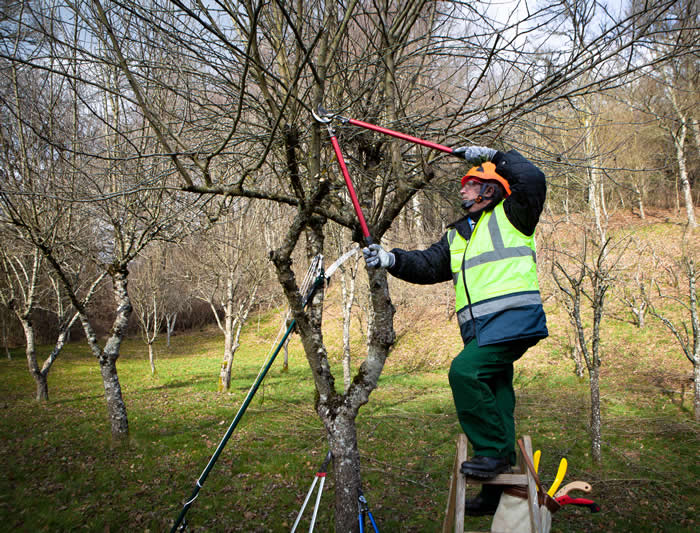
(490, 256)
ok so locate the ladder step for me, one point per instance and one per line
(502, 479)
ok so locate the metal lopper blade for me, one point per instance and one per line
(322, 115)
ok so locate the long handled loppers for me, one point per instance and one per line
(320, 278)
(321, 474)
(326, 117)
(365, 512)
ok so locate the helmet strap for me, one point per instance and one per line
(480, 197)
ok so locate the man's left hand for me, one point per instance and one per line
(475, 155)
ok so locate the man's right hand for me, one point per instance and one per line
(377, 257)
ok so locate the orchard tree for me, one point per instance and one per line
(227, 95)
(680, 288)
(225, 268)
(25, 288)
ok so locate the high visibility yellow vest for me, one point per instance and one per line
(495, 276)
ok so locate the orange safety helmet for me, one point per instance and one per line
(486, 172)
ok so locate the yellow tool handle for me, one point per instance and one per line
(561, 472)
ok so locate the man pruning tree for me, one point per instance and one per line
(490, 256)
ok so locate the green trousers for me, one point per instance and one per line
(481, 378)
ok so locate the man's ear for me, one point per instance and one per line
(489, 191)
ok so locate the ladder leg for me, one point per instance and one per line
(535, 518)
(454, 513)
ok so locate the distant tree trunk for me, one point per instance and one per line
(170, 320)
(234, 320)
(639, 193)
(594, 382)
(595, 182)
(5, 335)
(42, 387)
(567, 214)
(679, 144)
(348, 292)
(227, 363)
(695, 126)
(285, 362)
(151, 358)
(679, 139)
(696, 402)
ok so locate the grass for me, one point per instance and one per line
(61, 472)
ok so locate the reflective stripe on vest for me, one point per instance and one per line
(500, 265)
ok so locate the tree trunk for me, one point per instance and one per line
(116, 408)
(151, 359)
(285, 363)
(679, 143)
(567, 215)
(42, 387)
(346, 472)
(578, 359)
(595, 195)
(348, 293)
(640, 201)
(340, 419)
(169, 327)
(594, 374)
(5, 336)
(696, 402)
(227, 364)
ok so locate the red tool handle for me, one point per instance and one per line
(568, 500)
(399, 135)
(351, 189)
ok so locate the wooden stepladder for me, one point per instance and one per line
(454, 515)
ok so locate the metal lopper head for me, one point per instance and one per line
(322, 115)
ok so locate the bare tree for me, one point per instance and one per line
(27, 288)
(635, 290)
(584, 276)
(58, 194)
(148, 297)
(225, 269)
(686, 328)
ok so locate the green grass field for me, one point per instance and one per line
(60, 472)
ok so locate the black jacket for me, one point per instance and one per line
(523, 208)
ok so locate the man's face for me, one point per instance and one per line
(470, 191)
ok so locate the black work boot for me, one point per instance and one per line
(485, 503)
(481, 467)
